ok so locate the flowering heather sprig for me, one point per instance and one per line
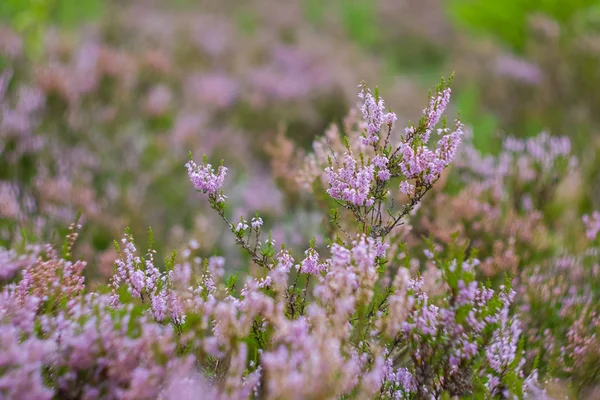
(503, 354)
(144, 281)
(374, 115)
(447, 146)
(257, 223)
(22, 362)
(542, 160)
(311, 265)
(279, 273)
(338, 327)
(351, 274)
(407, 188)
(399, 382)
(592, 225)
(204, 178)
(362, 186)
(11, 263)
(381, 163)
(436, 109)
(351, 182)
(562, 289)
(421, 162)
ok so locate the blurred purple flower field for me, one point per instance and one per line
(299, 200)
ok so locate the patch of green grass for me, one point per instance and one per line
(507, 20)
(314, 10)
(64, 13)
(484, 125)
(31, 17)
(360, 21)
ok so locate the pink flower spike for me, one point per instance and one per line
(204, 178)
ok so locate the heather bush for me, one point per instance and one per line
(355, 323)
(386, 259)
(511, 212)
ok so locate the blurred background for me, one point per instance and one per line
(101, 101)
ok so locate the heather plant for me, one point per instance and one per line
(510, 210)
(505, 206)
(432, 341)
(353, 324)
(559, 308)
(435, 270)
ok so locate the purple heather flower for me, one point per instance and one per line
(374, 114)
(203, 177)
(502, 351)
(466, 294)
(384, 175)
(159, 306)
(381, 163)
(373, 111)
(350, 182)
(435, 110)
(256, 223)
(310, 264)
(447, 145)
(407, 188)
(592, 225)
(241, 226)
(390, 118)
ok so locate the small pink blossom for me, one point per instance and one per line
(204, 178)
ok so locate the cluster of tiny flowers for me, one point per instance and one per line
(358, 169)
(144, 281)
(241, 226)
(357, 324)
(543, 148)
(435, 110)
(381, 162)
(535, 159)
(11, 262)
(257, 223)
(503, 350)
(350, 182)
(279, 273)
(311, 265)
(425, 321)
(204, 178)
(399, 382)
(418, 160)
(592, 225)
(375, 116)
(22, 360)
(407, 188)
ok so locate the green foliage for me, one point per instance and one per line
(232, 281)
(314, 10)
(507, 20)
(360, 21)
(483, 123)
(32, 17)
